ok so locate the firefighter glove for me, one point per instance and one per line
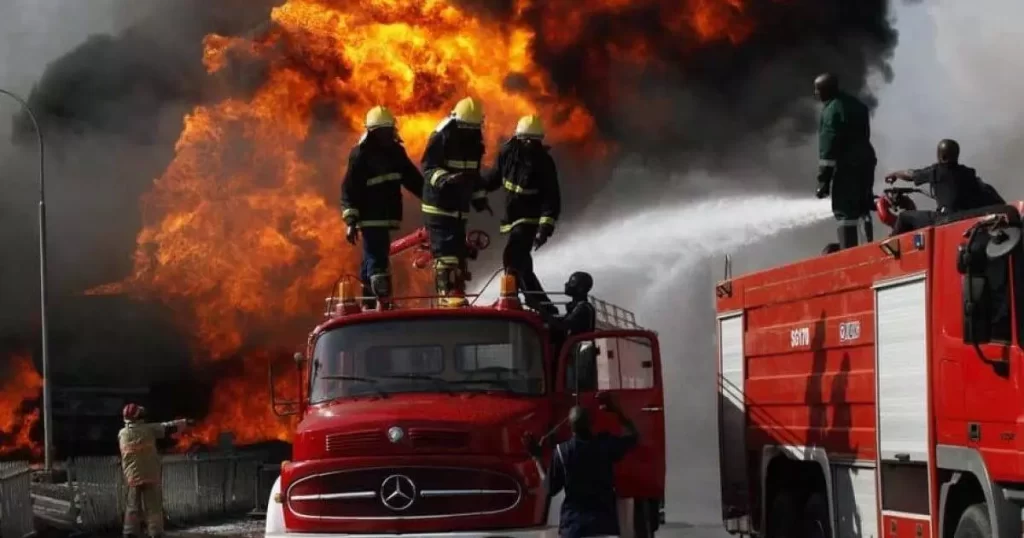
(543, 233)
(823, 190)
(352, 234)
(481, 204)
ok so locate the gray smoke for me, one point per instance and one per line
(110, 81)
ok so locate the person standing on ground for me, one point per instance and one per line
(140, 463)
(526, 171)
(371, 199)
(846, 159)
(584, 467)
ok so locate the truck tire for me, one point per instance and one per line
(974, 523)
(816, 519)
(783, 517)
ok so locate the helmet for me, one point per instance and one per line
(133, 411)
(530, 127)
(379, 116)
(579, 284)
(469, 110)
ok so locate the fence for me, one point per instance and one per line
(194, 488)
(15, 500)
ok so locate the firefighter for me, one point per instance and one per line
(533, 202)
(371, 198)
(451, 166)
(140, 463)
(846, 159)
(580, 316)
(954, 187)
(584, 466)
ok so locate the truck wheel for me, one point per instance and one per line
(974, 523)
(643, 515)
(782, 516)
(816, 520)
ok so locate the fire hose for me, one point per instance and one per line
(419, 242)
(893, 201)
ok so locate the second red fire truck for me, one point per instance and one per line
(879, 391)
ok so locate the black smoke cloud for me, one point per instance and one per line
(111, 110)
(706, 97)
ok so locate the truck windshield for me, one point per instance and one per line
(427, 355)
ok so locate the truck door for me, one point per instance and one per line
(626, 364)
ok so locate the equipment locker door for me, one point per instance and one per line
(626, 364)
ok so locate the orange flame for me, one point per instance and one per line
(18, 416)
(243, 231)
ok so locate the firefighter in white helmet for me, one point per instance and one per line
(529, 177)
(140, 463)
(371, 198)
(453, 183)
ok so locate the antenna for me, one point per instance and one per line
(724, 289)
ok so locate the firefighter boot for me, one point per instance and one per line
(367, 296)
(847, 234)
(449, 285)
(380, 284)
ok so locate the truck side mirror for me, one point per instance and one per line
(284, 408)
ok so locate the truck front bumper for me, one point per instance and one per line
(542, 532)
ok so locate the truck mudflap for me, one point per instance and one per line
(275, 525)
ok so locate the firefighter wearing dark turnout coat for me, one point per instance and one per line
(371, 198)
(453, 184)
(846, 159)
(529, 177)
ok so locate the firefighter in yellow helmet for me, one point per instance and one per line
(371, 199)
(527, 173)
(453, 183)
(140, 463)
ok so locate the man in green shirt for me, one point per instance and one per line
(846, 159)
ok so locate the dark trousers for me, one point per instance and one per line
(908, 221)
(853, 203)
(376, 249)
(447, 241)
(518, 260)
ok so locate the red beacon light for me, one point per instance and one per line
(347, 303)
(508, 298)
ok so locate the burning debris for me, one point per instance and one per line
(242, 235)
(20, 390)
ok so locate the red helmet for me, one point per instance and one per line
(133, 411)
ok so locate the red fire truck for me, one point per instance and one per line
(414, 421)
(877, 391)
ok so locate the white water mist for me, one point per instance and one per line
(656, 263)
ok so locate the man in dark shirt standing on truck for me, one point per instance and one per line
(584, 466)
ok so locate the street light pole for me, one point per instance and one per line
(43, 296)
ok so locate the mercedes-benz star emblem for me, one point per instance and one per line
(397, 492)
(395, 434)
